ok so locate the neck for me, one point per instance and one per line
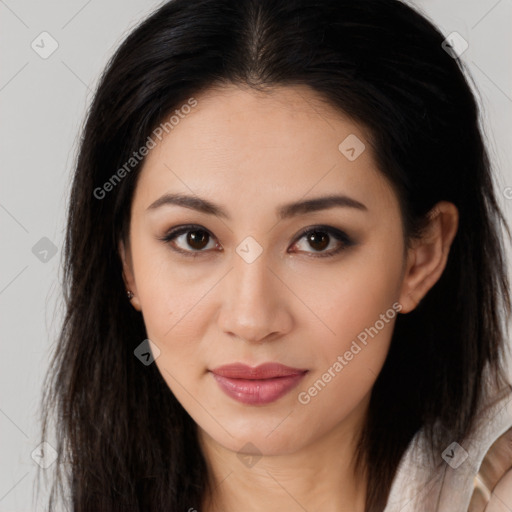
(318, 476)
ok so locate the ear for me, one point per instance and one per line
(426, 259)
(128, 276)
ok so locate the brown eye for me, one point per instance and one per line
(197, 239)
(189, 240)
(193, 240)
(318, 240)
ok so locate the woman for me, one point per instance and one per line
(285, 278)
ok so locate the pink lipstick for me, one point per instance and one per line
(258, 385)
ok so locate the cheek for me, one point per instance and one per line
(351, 296)
(348, 366)
(374, 280)
(168, 293)
(360, 311)
(173, 299)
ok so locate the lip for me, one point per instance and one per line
(257, 385)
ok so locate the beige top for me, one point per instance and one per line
(474, 477)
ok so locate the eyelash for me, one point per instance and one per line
(342, 237)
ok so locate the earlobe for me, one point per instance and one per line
(128, 277)
(428, 255)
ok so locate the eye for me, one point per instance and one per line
(194, 237)
(321, 237)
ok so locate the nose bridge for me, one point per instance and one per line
(253, 305)
(251, 279)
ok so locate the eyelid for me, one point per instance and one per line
(335, 233)
(177, 231)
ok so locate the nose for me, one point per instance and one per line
(255, 302)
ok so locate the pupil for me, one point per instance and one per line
(317, 237)
(197, 241)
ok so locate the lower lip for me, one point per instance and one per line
(258, 392)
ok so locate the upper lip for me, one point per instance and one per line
(263, 371)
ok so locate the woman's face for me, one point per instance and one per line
(248, 285)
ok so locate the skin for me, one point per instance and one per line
(286, 306)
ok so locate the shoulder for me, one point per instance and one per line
(493, 482)
(501, 497)
(477, 481)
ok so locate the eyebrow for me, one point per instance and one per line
(284, 211)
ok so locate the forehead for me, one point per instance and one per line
(263, 147)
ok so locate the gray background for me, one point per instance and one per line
(43, 105)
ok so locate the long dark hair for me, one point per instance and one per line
(127, 442)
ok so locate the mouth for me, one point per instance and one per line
(258, 385)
